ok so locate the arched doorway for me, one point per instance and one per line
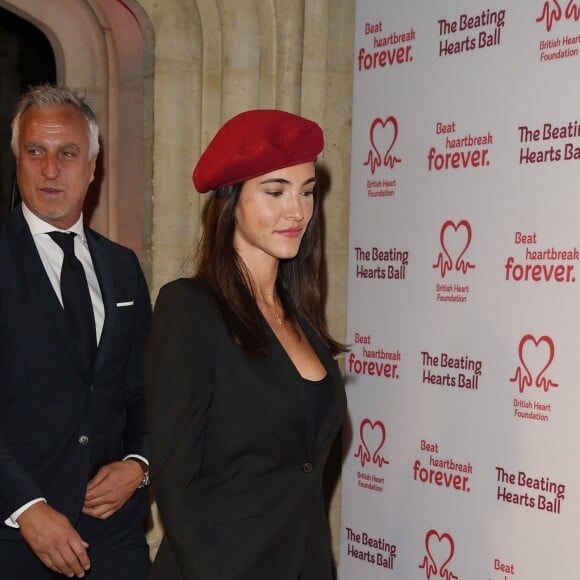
(26, 58)
(107, 48)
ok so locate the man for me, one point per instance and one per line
(73, 458)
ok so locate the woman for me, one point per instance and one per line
(244, 395)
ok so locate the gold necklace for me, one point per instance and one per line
(279, 319)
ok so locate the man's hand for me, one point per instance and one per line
(53, 539)
(111, 487)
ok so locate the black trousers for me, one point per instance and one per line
(115, 554)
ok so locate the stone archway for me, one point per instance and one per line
(102, 46)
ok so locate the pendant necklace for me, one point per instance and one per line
(279, 319)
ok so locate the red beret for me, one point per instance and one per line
(254, 143)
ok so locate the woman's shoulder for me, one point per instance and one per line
(188, 292)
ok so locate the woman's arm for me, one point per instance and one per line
(179, 373)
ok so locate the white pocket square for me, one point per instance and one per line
(129, 303)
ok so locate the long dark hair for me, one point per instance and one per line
(221, 268)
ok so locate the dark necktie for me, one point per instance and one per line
(76, 300)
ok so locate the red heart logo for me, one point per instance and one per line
(536, 356)
(440, 549)
(383, 137)
(455, 239)
(373, 436)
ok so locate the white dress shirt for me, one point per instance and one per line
(52, 257)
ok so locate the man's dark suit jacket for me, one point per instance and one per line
(58, 427)
(236, 461)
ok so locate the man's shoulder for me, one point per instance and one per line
(11, 224)
(104, 242)
(108, 247)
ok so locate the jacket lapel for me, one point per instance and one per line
(37, 283)
(104, 276)
(335, 414)
(287, 373)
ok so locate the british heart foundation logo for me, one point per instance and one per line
(373, 437)
(556, 10)
(535, 357)
(383, 138)
(439, 551)
(455, 239)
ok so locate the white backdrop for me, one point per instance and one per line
(463, 379)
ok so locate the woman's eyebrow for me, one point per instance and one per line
(286, 181)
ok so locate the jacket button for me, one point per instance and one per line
(307, 467)
(83, 439)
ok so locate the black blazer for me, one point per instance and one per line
(236, 465)
(57, 427)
